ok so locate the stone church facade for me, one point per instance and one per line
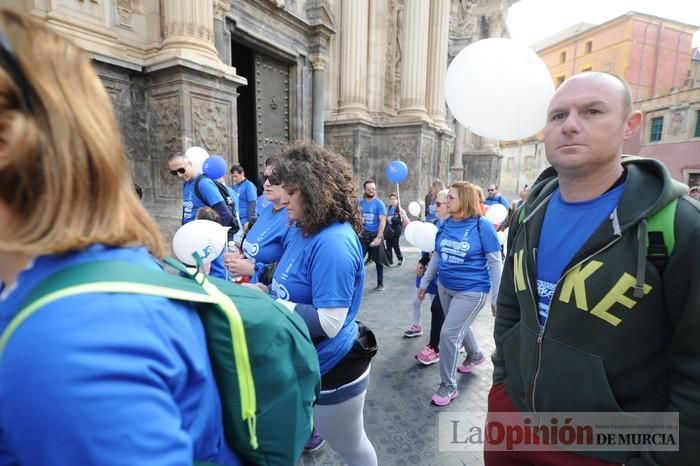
(243, 78)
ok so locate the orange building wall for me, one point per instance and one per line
(651, 54)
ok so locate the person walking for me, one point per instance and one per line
(247, 195)
(583, 293)
(264, 243)
(95, 378)
(430, 353)
(374, 222)
(320, 277)
(392, 232)
(467, 260)
(495, 197)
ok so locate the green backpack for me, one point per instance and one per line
(264, 362)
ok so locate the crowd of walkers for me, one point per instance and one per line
(104, 377)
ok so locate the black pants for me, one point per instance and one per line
(437, 317)
(392, 244)
(373, 254)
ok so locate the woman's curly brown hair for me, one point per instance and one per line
(325, 181)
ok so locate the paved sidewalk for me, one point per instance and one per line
(399, 419)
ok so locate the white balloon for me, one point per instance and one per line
(204, 237)
(496, 213)
(424, 236)
(197, 155)
(499, 89)
(410, 230)
(414, 208)
(502, 236)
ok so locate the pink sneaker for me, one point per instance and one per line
(466, 367)
(428, 356)
(444, 395)
(413, 331)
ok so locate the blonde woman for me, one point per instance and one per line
(95, 378)
(467, 260)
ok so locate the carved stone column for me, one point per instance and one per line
(457, 167)
(353, 52)
(437, 59)
(318, 79)
(189, 25)
(376, 68)
(414, 62)
(222, 36)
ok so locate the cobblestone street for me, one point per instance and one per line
(399, 418)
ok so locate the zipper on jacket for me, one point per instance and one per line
(540, 335)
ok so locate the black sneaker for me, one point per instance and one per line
(379, 288)
(400, 263)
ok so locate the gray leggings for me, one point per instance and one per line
(460, 307)
(342, 425)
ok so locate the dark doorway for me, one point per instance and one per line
(243, 59)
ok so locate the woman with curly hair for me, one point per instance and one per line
(320, 276)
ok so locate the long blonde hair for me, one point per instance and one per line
(64, 177)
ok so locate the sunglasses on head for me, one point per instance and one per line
(180, 170)
(8, 62)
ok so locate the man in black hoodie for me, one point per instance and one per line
(585, 321)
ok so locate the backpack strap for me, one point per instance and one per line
(197, 192)
(128, 278)
(661, 240)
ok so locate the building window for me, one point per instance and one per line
(693, 179)
(589, 46)
(657, 127)
(560, 80)
(697, 124)
(562, 57)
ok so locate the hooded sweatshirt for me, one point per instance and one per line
(620, 336)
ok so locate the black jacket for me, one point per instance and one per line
(603, 349)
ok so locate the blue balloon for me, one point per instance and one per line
(214, 167)
(396, 171)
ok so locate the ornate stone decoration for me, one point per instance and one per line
(125, 8)
(462, 21)
(209, 124)
(276, 3)
(167, 110)
(389, 58)
(221, 8)
(397, 54)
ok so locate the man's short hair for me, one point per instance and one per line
(364, 185)
(237, 168)
(175, 155)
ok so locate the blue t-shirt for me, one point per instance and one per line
(261, 204)
(191, 203)
(218, 269)
(264, 241)
(567, 226)
(497, 200)
(371, 211)
(247, 192)
(462, 251)
(431, 211)
(325, 270)
(102, 378)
